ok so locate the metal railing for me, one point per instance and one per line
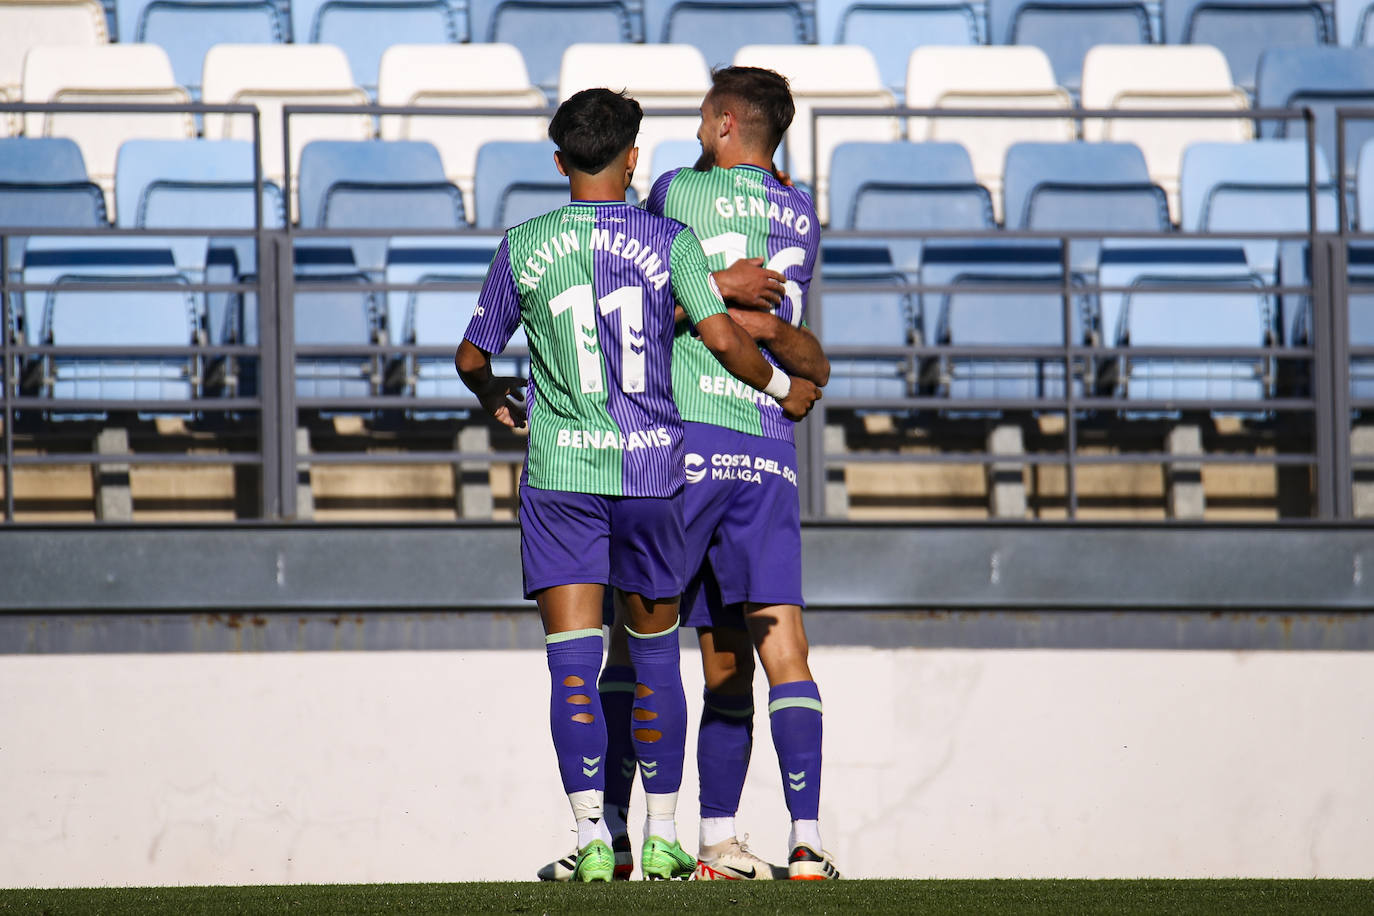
(279, 408)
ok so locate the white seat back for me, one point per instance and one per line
(25, 24)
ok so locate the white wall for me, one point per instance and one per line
(388, 766)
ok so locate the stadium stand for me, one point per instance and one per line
(272, 76)
(877, 314)
(673, 154)
(1364, 188)
(187, 29)
(1353, 26)
(825, 76)
(658, 76)
(336, 315)
(1322, 79)
(721, 28)
(992, 77)
(105, 73)
(365, 29)
(43, 184)
(1243, 30)
(1194, 77)
(459, 76)
(1066, 29)
(26, 24)
(892, 28)
(543, 29)
(515, 181)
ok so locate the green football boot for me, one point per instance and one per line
(595, 862)
(662, 859)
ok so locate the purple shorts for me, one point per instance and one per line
(743, 525)
(632, 543)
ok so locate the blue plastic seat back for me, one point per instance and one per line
(186, 29)
(1243, 31)
(43, 160)
(334, 316)
(674, 154)
(514, 179)
(366, 28)
(1066, 29)
(543, 29)
(1355, 22)
(1323, 79)
(1361, 321)
(879, 315)
(411, 259)
(857, 165)
(77, 204)
(1364, 188)
(891, 29)
(945, 262)
(719, 28)
(325, 163)
(1081, 186)
(440, 319)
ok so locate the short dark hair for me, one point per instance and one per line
(594, 126)
(761, 100)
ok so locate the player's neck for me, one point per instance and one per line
(731, 156)
(596, 187)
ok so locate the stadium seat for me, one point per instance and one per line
(43, 184)
(365, 29)
(673, 154)
(906, 187)
(272, 76)
(376, 184)
(1364, 188)
(994, 77)
(1244, 29)
(543, 29)
(892, 28)
(877, 314)
(187, 29)
(825, 76)
(26, 24)
(516, 181)
(459, 76)
(1361, 324)
(1232, 312)
(1355, 22)
(331, 315)
(721, 28)
(138, 74)
(658, 76)
(1322, 79)
(1066, 29)
(1193, 77)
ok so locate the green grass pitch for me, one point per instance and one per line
(928, 898)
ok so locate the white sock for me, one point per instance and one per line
(592, 828)
(716, 830)
(615, 820)
(808, 832)
(587, 809)
(662, 815)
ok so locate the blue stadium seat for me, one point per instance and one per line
(376, 184)
(1355, 22)
(366, 28)
(1066, 29)
(1364, 188)
(43, 183)
(543, 29)
(881, 315)
(908, 187)
(1245, 29)
(516, 180)
(1086, 186)
(719, 28)
(341, 317)
(1231, 312)
(892, 28)
(674, 154)
(186, 29)
(1323, 79)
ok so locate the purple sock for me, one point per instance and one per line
(617, 688)
(724, 740)
(574, 659)
(794, 711)
(658, 725)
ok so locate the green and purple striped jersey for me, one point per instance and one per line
(742, 212)
(595, 285)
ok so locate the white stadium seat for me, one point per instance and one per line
(26, 24)
(459, 76)
(986, 77)
(1162, 76)
(104, 73)
(271, 77)
(826, 76)
(658, 76)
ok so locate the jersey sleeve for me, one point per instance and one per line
(658, 194)
(497, 314)
(693, 286)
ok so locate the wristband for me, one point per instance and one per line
(779, 385)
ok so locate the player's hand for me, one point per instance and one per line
(800, 398)
(758, 324)
(504, 399)
(747, 284)
(782, 177)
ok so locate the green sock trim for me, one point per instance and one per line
(570, 634)
(794, 702)
(671, 629)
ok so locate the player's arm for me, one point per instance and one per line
(734, 348)
(796, 348)
(493, 322)
(747, 284)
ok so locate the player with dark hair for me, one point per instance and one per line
(595, 284)
(743, 515)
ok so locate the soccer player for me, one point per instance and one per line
(595, 285)
(742, 506)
